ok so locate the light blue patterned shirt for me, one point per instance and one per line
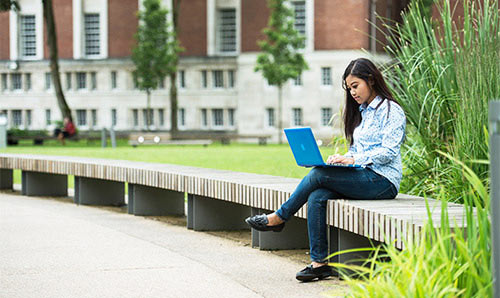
(378, 139)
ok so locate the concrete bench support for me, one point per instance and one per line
(90, 191)
(340, 240)
(146, 200)
(43, 184)
(293, 236)
(206, 214)
(6, 179)
(189, 211)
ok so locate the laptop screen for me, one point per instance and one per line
(304, 147)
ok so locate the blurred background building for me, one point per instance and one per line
(218, 88)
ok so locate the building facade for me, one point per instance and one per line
(218, 87)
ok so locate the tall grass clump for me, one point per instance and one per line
(444, 75)
(445, 261)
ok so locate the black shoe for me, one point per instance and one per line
(309, 273)
(259, 222)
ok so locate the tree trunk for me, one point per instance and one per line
(148, 108)
(280, 113)
(48, 14)
(173, 105)
(173, 76)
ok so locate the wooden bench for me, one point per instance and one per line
(220, 200)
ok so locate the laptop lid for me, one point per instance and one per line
(305, 150)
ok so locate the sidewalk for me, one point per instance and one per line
(51, 248)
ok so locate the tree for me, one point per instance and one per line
(280, 59)
(48, 15)
(156, 52)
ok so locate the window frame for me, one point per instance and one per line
(23, 36)
(326, 81)
(215, 113)
(323, 109)
(80, 75)
(297, 112)
(270, 117)
(215, 77)
(221, 31)
(92, 35)
(16, 81)
(81, 121)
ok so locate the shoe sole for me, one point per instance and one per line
(312, 278)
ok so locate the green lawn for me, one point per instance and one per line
(270, 159)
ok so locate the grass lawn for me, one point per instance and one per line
(270, 159)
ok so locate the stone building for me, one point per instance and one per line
(218, 88)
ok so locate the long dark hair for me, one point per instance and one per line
(368, 72)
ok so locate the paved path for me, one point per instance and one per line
(50, 248)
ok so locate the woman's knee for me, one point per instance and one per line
(314, 174)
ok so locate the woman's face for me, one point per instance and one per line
(359, 89)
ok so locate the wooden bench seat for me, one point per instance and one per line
(212, 192)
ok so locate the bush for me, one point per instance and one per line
(444, 78)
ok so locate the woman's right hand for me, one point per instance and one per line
(337, 158)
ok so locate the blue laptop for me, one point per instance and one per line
(306, 151)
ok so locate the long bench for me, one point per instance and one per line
(221, 200)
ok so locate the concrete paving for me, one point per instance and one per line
(50, 248)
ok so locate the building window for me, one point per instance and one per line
(297, 117)
(217, 117)
(230, 75)
(135, 116)
(145, 117)
(81, 117)
(230, 117)
(204, 79)
(27, 82)
(93, 114)
(81, 80)
(4, 81)
(92, 34)
(113, 80)
(298, 80)
(48, 80)
(113, 117)
(217, 76)
(28, 36)
(204, 118)
(182, 79)
(17, 118)
(326, 115)
(181, 117)
(161, 117)
(68, 81)
(28, 118)
(326, 76)
(270, 117)
(48, 115)
(227, 30)
(93, 81)
(299, 12)
(17, 83)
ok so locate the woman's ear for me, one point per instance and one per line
(371, 82)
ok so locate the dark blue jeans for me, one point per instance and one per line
(323, 184)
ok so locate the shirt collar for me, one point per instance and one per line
(372, 105)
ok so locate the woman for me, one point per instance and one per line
(375, 127)
(67, 132)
